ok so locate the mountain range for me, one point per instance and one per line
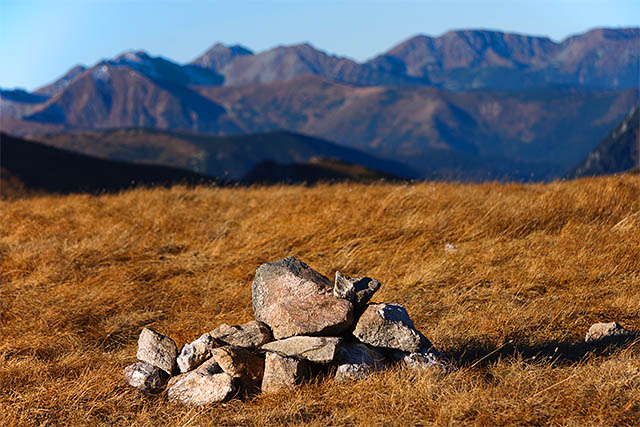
(470, 104)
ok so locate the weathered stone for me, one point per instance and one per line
(357, 360)
(389, 326)
(145, 377)
(204, 385)
(293, 299)
(193, 354)
(281, 372)
(602, 331)
(250, 335)
(450, 249)
(314, 349)
(357, 290)
(240, 363)
(427, 359)
(157, 350)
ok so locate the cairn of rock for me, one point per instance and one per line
(304, 326)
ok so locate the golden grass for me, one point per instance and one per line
(538, 264)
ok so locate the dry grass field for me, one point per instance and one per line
(537, 265)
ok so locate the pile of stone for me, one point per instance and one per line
(304, 326)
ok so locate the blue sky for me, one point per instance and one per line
(42, 39)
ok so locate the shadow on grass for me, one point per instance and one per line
(482, 354)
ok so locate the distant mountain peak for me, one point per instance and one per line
(219, 55)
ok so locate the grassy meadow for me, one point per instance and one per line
(81, 275)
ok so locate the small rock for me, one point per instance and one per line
(357, 360)
(282, 372)
(202, 386)
(601, 331)
(193, 354)
(357, 290)
(242, 364)
(450, 249)
(293, 299)
(389, 326)
(157, 350)
(314, 349)
(145, 377)
(427, 359)
(250, 335)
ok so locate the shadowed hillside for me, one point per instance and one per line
(617, 152)
(31, 168)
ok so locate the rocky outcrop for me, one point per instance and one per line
(145, 377)
(314, 349)
(312, 321)
(157, 350)
(606, 331)
(293, 299)
(389, 326)
(281, 372)
(250, 335)
(357, 290)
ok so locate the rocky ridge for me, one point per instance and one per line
(305, 326)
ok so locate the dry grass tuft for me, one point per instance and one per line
(536, 266)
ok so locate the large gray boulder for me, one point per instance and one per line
(389, 326)
(250, 335)
(314, 349)
(157, 350)
(205, 385)
(604, 331)
(145, 377)
(281, 372)
(355, 360)
(358, 290)
(293, 299)
(193, 354)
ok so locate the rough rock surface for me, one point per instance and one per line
(357, 360)
(145, 377)
(193, 354)
(157, 350)
(240, 363)
(428, 359)
(284, 372)
(204, 385)
(314, 349)
(250, 335)
(601, 331)
(357, 290)
(293, 299)
(389, 326)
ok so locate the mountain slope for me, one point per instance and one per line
(467, 59)
(286, 62)
(28, 167)
(617, 152)
(230, 157)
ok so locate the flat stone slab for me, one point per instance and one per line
(603, 331)
(145, 377)
(193, 354)
(389, 326)
(358, 290)
(281, 372)
(250, 335)
(293, 299)
(157, 350)
(205, 385)
(314, 349)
